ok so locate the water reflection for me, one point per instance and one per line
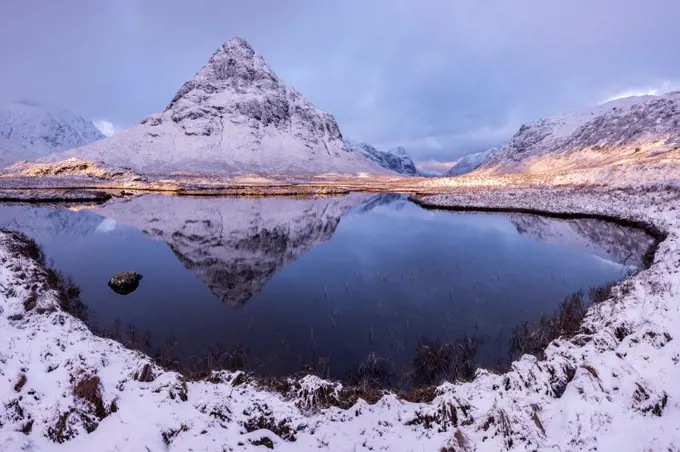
(370, 289)
(234, 245)
(610, 241)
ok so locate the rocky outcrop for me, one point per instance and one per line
(29, 130)
(234, 116)
(124, 283)
(394, 159)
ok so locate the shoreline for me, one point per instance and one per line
(529, 383)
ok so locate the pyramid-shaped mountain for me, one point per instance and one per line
(234, 116)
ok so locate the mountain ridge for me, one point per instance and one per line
(395, 159)
(470, 162)
(626, 133)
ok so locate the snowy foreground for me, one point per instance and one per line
(612, 388)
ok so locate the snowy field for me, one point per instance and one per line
(613, 387)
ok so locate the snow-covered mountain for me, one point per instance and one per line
(470, 163)
(234, 116)
(29, 130)
(394, 159)
(625, 133)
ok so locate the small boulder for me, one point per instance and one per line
(124, 283)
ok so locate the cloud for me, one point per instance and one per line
(448, 76)
(435, 166)
(655, 90)
(105, 127)
(459, 144)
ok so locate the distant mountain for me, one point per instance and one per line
(428, 173)
(234, 116)
(394, 159)
(636, 131)
(29, 130)
(470, 163)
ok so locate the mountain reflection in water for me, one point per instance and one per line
(347, 286)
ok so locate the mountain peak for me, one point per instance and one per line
(237, 45)
(235, 65)
(234, 116)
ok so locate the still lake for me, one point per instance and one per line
(281, 284)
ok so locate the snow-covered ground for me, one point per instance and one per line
(613, 387)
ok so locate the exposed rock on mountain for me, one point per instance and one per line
(394, 159)
(234, 245)
(234, 116)
(623, 134)
(29, 130)
(470, 163)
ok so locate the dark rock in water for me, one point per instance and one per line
(124, 283)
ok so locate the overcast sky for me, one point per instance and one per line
(441, 77)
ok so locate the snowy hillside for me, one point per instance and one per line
(29, 130)
(470, 163)
(628, 131)
(234, 116)
(393, 159)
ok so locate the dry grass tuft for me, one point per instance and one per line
(534, 338)
(145, 374)
(21, 382)
(88, 388)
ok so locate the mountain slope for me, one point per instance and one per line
(637, 132)
(234, 116)
(394, 159)
(470, 163)
(29, 130)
